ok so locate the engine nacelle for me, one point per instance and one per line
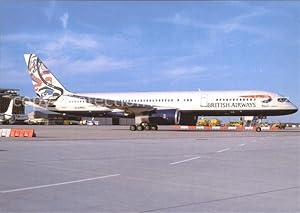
(165, 117)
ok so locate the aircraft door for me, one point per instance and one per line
(62, 102)
(204, 100)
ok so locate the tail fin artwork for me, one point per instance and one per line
(45, 84)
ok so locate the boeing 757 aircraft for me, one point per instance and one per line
(7, 116)
(154, 108)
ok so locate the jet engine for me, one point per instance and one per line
(172, 117)
(165, 117)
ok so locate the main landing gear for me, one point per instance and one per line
(143, 126)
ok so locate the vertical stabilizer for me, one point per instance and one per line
(45, 84)
(9, 110)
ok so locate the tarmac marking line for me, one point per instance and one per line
(243, 144)
(186, 160)
(223, 150)
(58, 184)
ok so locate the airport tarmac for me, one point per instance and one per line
(111, 169)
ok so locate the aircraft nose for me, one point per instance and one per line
(294, 111)
(294, 108)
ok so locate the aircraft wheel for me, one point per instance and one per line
(132, 127)
(154, 127)
(139, 128)
(145, 125)
(258, 129)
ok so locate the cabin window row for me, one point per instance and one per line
(149, 100)
(144, 100)
(235, 99)
(156, 100)
(76, 101)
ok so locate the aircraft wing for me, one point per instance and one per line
(37, 103)
(131, 108)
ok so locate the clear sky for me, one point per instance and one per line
(155, 46)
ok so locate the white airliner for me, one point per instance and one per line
(8, 116)
(153, 108)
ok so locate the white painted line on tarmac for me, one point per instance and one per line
(243, 144)
(186, 160)
(58, 184)
(184, 127)
(223, 150)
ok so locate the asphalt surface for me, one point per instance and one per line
(110, 169)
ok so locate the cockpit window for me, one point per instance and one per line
(282, 100)
(267, 100)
